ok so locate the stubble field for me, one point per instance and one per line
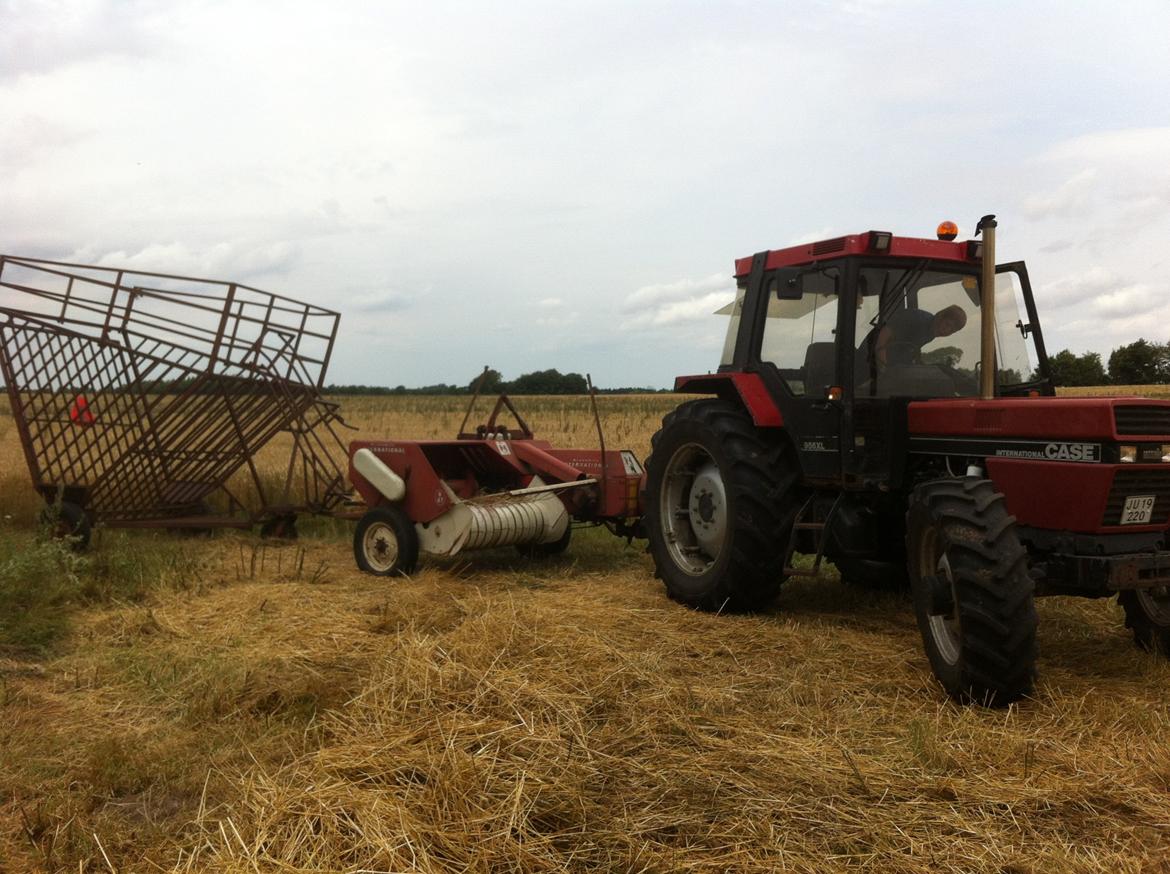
(231, 706)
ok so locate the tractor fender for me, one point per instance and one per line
(748, 388)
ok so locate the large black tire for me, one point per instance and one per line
(1147, 614)
(721, 498)
(973, 595)
(385, 543)
(68, 521)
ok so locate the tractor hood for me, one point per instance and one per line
(1041, 418)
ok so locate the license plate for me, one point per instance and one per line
(1137, 510)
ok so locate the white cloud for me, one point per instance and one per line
(227, 261)
(681, 291)
(1071, 197)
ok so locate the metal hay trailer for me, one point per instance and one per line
(139, 396)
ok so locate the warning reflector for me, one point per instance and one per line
(79, 411)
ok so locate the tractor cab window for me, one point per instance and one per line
(800, 336)
(917, 333)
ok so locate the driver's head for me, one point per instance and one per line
(949, 320)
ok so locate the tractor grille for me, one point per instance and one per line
(1142, 420)
(1139, 482)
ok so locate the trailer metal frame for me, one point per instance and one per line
(139, 396)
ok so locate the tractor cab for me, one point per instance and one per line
(844, 333)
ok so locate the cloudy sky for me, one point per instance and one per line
(566, 184)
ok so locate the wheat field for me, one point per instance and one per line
(231, 705)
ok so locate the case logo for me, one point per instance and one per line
(1071, 451)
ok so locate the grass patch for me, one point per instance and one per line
(43, 581)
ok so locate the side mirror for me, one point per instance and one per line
(787, 283)
(792, 283)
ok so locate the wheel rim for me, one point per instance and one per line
(694, 509)
(380, 545)
(1155, 603)
(945, 628)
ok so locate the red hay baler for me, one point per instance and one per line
(490, 487)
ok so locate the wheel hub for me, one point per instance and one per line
(694, 509)
(944, 624)
(381, 546)
(708, 509)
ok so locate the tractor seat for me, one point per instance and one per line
(820, 367)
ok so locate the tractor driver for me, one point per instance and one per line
(901, 338)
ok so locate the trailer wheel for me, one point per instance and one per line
(282, 527)
(973, 595)
(385, 543)
(720, 504)
(1147, 614)
(68, 520)
(547, 550)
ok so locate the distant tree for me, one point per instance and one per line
(947, 356)
(493, 382)
(547, 382)
(1068, 368)
(1139, 363)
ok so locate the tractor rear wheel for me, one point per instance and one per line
(720, 503)
(973, 595)
(385, 543)
(1147, 614)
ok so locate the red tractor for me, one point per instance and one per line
(884, 403)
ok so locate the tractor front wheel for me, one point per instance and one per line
(385, 543)
(720, 503)
(973, 595)
(1147, 614)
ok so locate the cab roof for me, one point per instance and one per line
(864, 244)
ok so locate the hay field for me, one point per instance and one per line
(222, 705)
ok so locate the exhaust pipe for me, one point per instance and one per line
(987, 374)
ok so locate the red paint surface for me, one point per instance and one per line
(1029, 418)
(858, 244)
(749, 387)
(1057, 495)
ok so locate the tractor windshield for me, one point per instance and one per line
(918, 333)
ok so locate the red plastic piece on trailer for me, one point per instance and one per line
(79, 411)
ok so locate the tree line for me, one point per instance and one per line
(538, 382)
(1139, 363)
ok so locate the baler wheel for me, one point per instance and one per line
(1147, 614)
(973, 595)
(721, 499)
(385, 543)
(68, 520)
